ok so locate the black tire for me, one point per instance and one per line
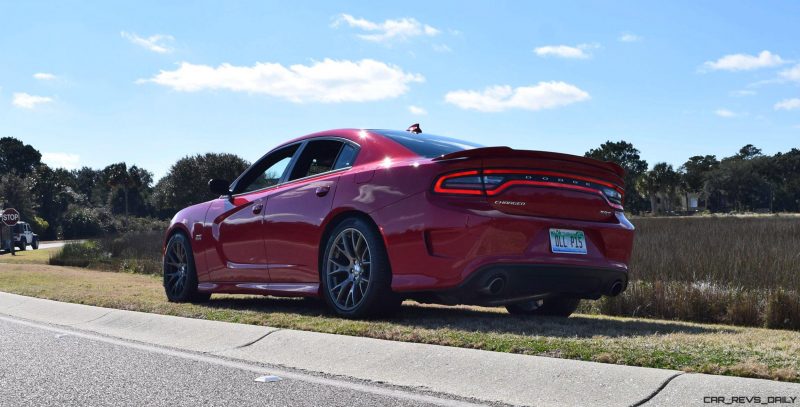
(23, 245)
(35, 243)
(551, 307)
(180, 276)
(377, 299)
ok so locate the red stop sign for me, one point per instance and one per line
(10, 217)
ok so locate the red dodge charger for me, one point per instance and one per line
(368, 218)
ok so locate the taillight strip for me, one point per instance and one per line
(512, 183)
(439, 187)
(555, 174)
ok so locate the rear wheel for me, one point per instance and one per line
(553, 306)
(180, 277)
(355, 273)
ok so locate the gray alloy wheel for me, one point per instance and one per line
(355, 273)
(558, 306)
(180, 278)
(348, 269)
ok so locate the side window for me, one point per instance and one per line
(268, 171)
(319, 156)
(346, 157)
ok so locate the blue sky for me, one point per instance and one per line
(91, 83)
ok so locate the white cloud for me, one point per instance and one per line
(328, 81)
(416, 110)
(565, 51)
(156, 43)
(544, 95)
(788, 104)
(792, 74)
(27, 101)
(744, 62)
(724, 113)
(62, 160)
(42, 76)
(399, 29)
(629, 37)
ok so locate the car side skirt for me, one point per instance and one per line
(277, 289)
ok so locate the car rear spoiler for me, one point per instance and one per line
(509, 152)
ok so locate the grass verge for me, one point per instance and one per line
(718, 349)
(41, 256)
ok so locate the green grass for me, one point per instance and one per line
(41, 256)
(719, 349)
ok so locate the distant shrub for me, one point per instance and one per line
(783, 310)
(82, 222)
(130, 252)
(83, 254)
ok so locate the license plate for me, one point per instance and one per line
(567, 241)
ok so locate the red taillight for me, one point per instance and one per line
(494, 181)
(460, 183)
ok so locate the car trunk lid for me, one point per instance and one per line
(539, 183)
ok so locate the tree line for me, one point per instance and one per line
(90, 202)
(746, 181)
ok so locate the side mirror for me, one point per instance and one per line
(219, 186)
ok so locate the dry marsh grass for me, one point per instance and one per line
(733, 270)
(755, 252)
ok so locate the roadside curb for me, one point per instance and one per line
(483, 375)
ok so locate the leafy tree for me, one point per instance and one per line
(15, 192)
(749, 151)
(661, 180)
(695, 171)
(187, 181)
(624, 154)
(86, 182)
(117, 178)
(647, 187)
(18, 157)
(131, 193)
(53, 192)
(739, 183)
(784, 174)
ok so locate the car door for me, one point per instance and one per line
(236, 222)
(294, 214)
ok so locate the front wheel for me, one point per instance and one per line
(355, 273)
(23, 245)
(180, 277)
(553, 307)
(35, 243)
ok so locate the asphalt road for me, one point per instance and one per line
(45, 365)
(52, 244)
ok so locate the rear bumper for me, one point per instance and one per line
(442, 247)
(507, 283)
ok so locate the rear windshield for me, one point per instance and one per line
(428, 145)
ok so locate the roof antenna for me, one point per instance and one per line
(414, 128)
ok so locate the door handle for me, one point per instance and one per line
(257, 208)
(323, 190)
